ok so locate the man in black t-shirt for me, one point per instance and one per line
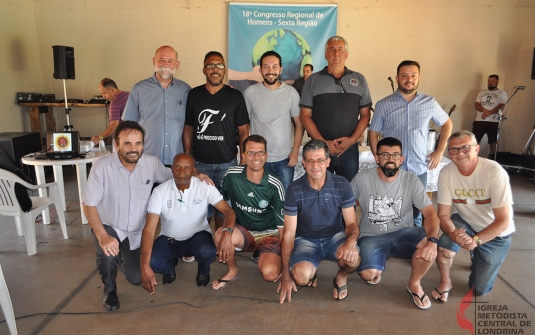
(213, 113)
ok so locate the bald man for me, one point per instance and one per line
(117, 98)
(158, 104)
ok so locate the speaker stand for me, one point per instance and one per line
(68, 126)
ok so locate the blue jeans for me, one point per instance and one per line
(417, 215)
(487, 258)
(216, 172)
(347, 165)
(282, 171)
(314, 250)
(375, 250)
(165, 251)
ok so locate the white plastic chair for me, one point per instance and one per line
(7, 306)
(9, 206)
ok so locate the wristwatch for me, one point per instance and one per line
(230, 230)
(477, 240)
(433, 239)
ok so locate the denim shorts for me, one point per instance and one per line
(314, 250)
(486, 259)
(216, 172)
(375, 250)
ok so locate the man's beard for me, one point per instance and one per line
(165, 72)
(128, 159)
(491, 87)
(389, 172)
(271, 82)
(406, 91)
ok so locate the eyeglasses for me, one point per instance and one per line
(212, 66)
(339, 83)
(395, 156)
(255, 153)
(319, 161)
(464, 148)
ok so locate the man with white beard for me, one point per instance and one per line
(158, 104)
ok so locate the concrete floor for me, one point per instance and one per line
(58, 291)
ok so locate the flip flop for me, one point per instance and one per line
(340, 289)
(442, 293)
(414, 296)
(219, 280)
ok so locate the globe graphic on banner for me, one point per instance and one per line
(292, 48)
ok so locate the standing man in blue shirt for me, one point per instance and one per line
(158, 103)
(405, 115)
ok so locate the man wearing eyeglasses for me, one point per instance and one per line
(213, 113)
(272, 105)
(335, 108)
(478, 189)
(386, 196)
(319, 223)
(257, 197)
(405, 115)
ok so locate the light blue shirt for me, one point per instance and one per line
(409, 123)
(161, 112)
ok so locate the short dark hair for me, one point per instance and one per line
(256, 139)
(408, 63)
(314, 145)
(108, 83)
(311, 66)
(270, 53)
(213, 53)
(128, 125)
(495, 76)
(389, 142)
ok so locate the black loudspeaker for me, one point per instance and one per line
(533, 66)
(15, 145)
(63, 62)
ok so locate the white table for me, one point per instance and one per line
(57, 165)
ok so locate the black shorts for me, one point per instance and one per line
(480, 128)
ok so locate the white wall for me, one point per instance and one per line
(458, 43)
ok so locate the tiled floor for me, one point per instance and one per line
(58, 291)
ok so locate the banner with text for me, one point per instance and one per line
(297, 32)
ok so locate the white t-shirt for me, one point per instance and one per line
(183, 213)
(474, 196)
(489, 100)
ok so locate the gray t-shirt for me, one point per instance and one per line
(387, 207)
(270, 113)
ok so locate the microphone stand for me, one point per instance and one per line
(391, 83)
(501, 118)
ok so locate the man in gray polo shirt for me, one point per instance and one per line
(272, 105)
(335, 108)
